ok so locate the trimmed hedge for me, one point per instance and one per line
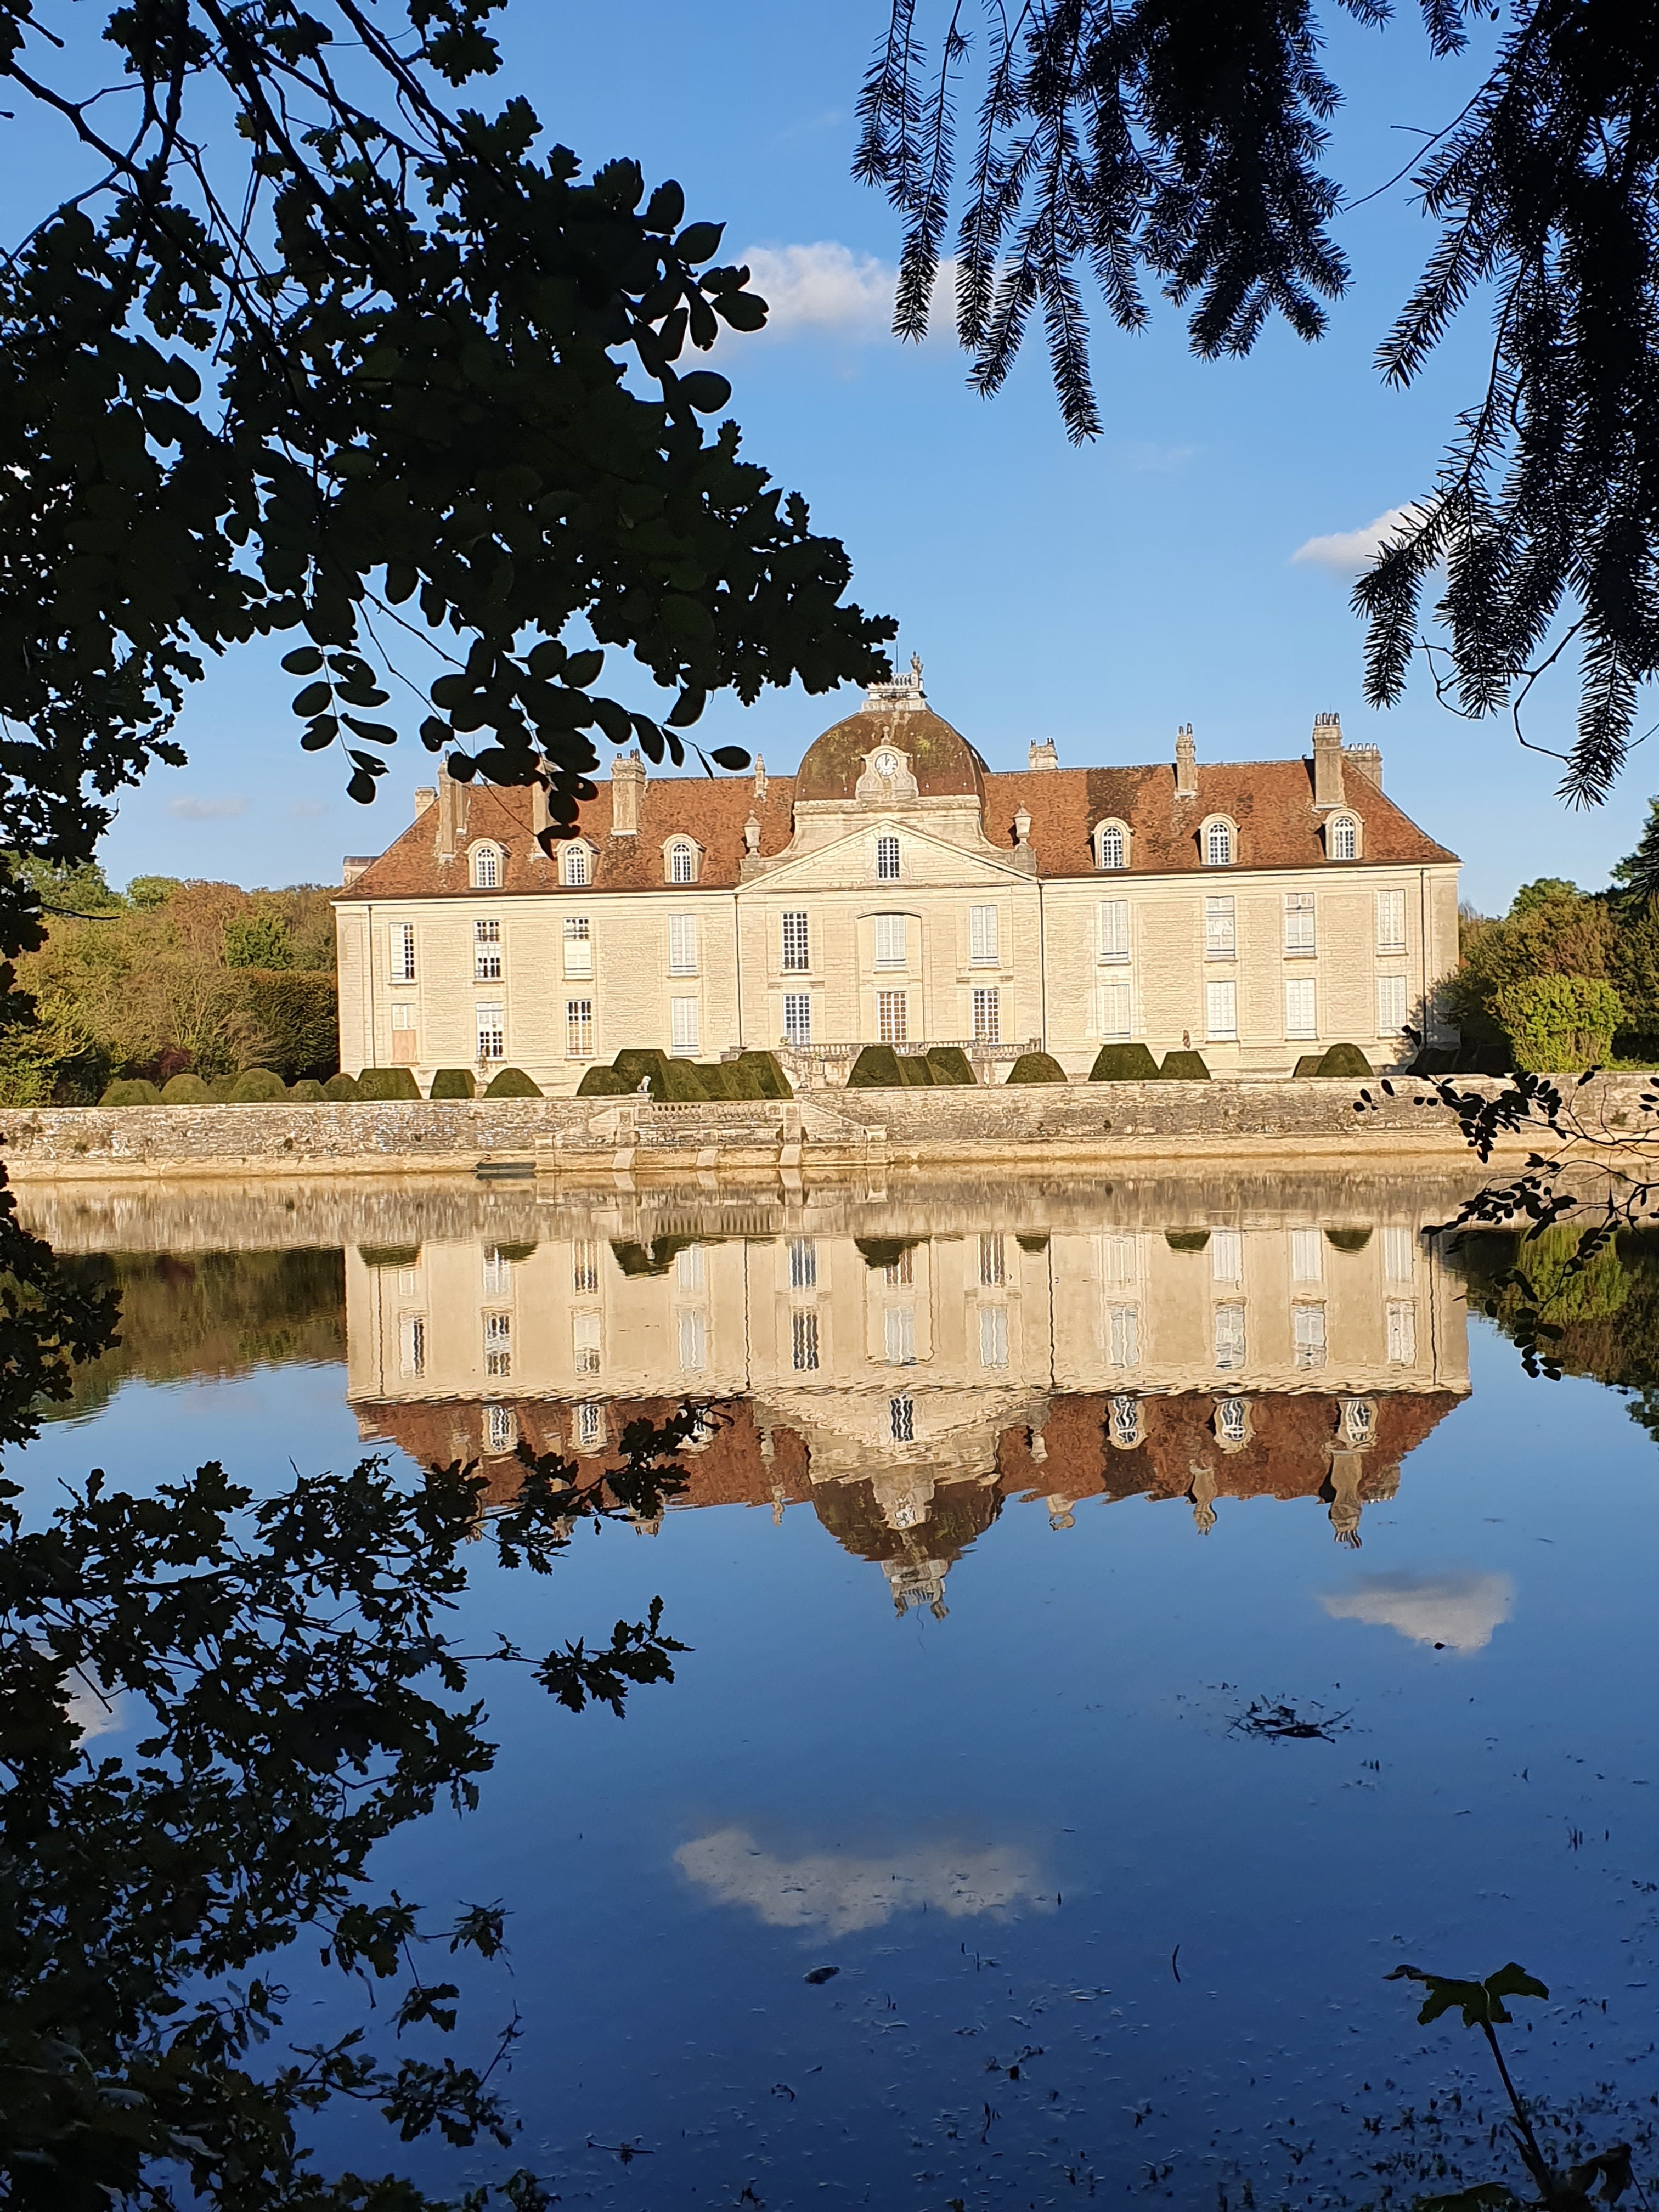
(1187, 1240)
(454, 1083)
(1183, 1067)
(257, 1086)
(766, 1070)
(185, 1090)
(1346, 1059)
(341, 1089)
(1347, 1240)
(876, 1069)
(1309, 1064)
(380, 1085)
(679, 1081)
(513, 1083)
(1124, 1063)
(1036, 1068)
(297, 1010)
(723, 1080)
(221, 1088)
(308, 1092)
(603, 1082)
(131, 1090)
(950, 1064)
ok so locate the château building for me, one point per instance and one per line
(894, 889)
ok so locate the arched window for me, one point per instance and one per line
(1218, 845)
(1344, 838)
(486, 868)
(1111, 846)
(682, 862)
(576, 865)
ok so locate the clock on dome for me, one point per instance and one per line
(887, 765)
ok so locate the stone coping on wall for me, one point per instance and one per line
(1269, 1118)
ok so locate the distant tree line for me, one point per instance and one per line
(167, 977)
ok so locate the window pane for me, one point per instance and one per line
(497, 1274)
(899, 1274)
(901, 1420)
(1123, 1335)
(993, 1259)
(681, 864)
(491, 1039)
(982, 936)
(1398, 1254)
(796, 942)
(1391, 921)
(1218, 845)
(1113, 929)
(803, 1264)
(887, 859)
(803, 1341)
(585, 1342)
(486, 868)
(682, 945)
(797, 1017)
(1300, 1010)
(694, 1342)
(412, 1344)
(994, 1336)
(1402, 1333)
(891, 1009)
(1118, 1258)
(1226, 1256)
(1390, 1005)
(987, 1017)
(890, 940)
(1111, 847)
(500, 1430)
(899, 1336)
(403, 952)
(1307, 1255)
(1220, 929)
(579, 1028)
(590, 1426)
(1229, 1339)
(575, 864)
(578, 946)
(1115, 1013)
(683, 1025)
(487, 951)
(1220, 1002)
(1345, 839)
(688, 1267)
(1307, 1335)
(1299, 922)
(585, 1267)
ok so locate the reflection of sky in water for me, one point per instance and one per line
(1457, 1611)
(1186, 1933)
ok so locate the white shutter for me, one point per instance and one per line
(1391, 921)
(1390, 1005)
(1226, 1256)
(1229, 1339)
(694, 1342)
(994, 1336)
(1221, 1004)
(1115, 1013)
(683, 1025)
(899, 1332)
(1307, 1255)
(1300, 1012)
(682, 945)
(1113, 929)
(890, 940)
(982, 936)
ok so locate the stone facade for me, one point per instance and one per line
(896, 889)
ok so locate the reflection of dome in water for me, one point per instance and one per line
(943, 762)
(916, 1558)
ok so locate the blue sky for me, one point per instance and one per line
(1099, 597)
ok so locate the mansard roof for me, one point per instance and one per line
(1269, 802)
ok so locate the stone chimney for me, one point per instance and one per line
(760, 780)
(540, 820)
(452, 813)
(353, 865)
(425, 795)
(1328, 760)
(1186, 764)
(1041, 755)
(1368, 761)
(627, 788)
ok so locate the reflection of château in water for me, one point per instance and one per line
(905, 1370)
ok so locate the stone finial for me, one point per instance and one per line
(1328, 760)
(751, 834)
(902, 695)
(1186, 764)
(1042, 755)
(626, 789)
(426, 794)
(760, 780)
(1022, 828)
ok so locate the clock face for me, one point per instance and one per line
(887, 764)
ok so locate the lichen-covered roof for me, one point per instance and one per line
(942, 761)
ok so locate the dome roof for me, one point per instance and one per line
(941, 759)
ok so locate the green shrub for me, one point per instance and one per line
(1183, 1067)
(1309, 1064)
(185, 1091)
(679, 1081)
(297, 1013)
(876, 1069)
(1558, 1024)
(1123, 1063)
(915, 1071)
(1347, 1240)
(721, 1081)
(767, 1070)
(131, 1090)
(884, 1251)
(950, 1064)
(603, 1082)
(220, 1089)
(1036, 1068)
(1187, 1240)
(379, 1085)
(513, 1083)
(308, 1092)
(1346, 1059)
(390, 1255)
(454, 1083)
(257, 1086)
(341, 1089)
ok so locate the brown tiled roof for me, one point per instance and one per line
(942, 761)
(1270, 802)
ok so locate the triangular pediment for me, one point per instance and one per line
(831, 858)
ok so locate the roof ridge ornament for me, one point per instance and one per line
(904, 695)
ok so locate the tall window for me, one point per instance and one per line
(1390, 1005)
(412, 1338)
(682, 863)
(887, 859)
(1221, 1011)
(1119, 1262)
(1299, 924)
(994, 1336)
(500, 1430)
(1226, 1256)
(694, 1342)
(1123, 1418)
(403, 1053)
(585, 1342)
(492, 1041)
(1391, 921)
(1123, 1335)
(1114, 1014)
(1111, 846)
(1232, 1421)
(1113, 929)
(575, 864)
(898, 1274)
(585, 1267)
(1300, 1009)
(403, 952)
(688, 1267)
(1228, 1321)
(901, 1420)
(1307, 1255)
(486, 868)
(797, 1017)
(1344, 838)
(487, 951)
(683, 1025)
(993, 1259)
(1220, 929)
(498, 1343)
(893, 1011)
(982, 936)
(1218, 845)
(797, 942)
(589, 1427)
(1307, 1335)
(899, 1336)
(803, 1264)
(497, 1272)
(1398, 1252)
(803, 1340)
(578, 945)
(579, 1028)
(682, 944)
(1402, 1332)
(890, 940)
(988, 1016)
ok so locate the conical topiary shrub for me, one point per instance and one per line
(1187, 1240)
(876, 1069)
(131, 1090)
(1123, 1063)
(719, 1081)
(950, 1064)
(340, 1090)
(308, 1092)
(767, 1070)
(1036, 1068)
(1309, 1064)
(603, 1082)
(1183, 1067)
(257, 1086)
(1347, 1240)
(454, 1083)
(1346, 1059)
(679, 1081)
(513, 1083)
(378, 1086)
(915, 1071)
(184, 1091)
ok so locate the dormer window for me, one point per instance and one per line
(681, 861)
(1342, 838)
(486, 867)
(1111, 846)
(1218, 842)
(578, 866)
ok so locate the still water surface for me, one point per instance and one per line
(1011, 1503)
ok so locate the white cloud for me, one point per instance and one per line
(826, 288)
(1460, 1611)
(206, 810)
(837, 1894)
(1346, 552)
(1147, 458)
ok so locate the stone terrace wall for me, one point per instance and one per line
(1028, 1126)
